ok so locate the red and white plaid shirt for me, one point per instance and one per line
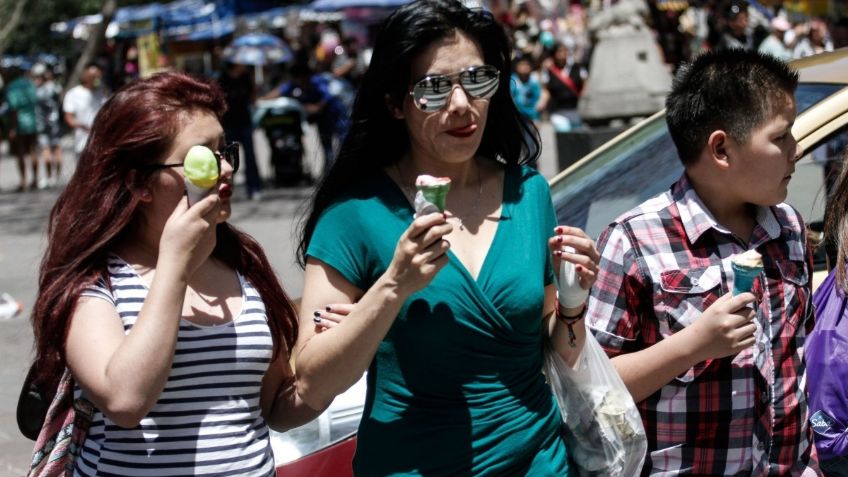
(662, 264)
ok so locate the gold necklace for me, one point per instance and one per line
(410, 192)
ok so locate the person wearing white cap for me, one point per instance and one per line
(81, 104)
(773, 44)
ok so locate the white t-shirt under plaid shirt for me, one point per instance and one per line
(207, 420)
(662, 264)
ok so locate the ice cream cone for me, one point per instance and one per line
(195, 193)
(746, 268)
(431, 194)
(201, 173)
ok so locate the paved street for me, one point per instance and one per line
(23, 217)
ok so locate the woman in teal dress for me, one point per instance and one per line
(450, 310)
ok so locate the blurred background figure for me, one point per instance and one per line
(736, 32)
(563, 78)
(348, 63)
(326, 110)
(4, 109)
(816, 39)
(131, 67)
(240, 91)
(23, 101)
(81, 104)
(774, 44)
(48, 121)
(839, 33)
(526, 90)
(696, 25)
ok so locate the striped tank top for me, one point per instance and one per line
(207, 420)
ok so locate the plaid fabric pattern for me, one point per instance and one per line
(662, 264)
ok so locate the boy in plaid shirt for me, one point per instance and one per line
(717, 383)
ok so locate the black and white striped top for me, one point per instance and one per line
(207, 420)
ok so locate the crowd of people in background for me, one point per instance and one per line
(552, 51)
(558, 52)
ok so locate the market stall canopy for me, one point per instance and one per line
(79, 27)
(276, 17)
(182, 20)
(138, 20)
(250, 6)
(672, 5)
(335, 5)
(194, 20)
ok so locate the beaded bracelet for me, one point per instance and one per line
(569, 322)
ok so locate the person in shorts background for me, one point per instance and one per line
(22, 100)
(48, 116)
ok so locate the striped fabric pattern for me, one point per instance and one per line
(662, 264)
(207, 420)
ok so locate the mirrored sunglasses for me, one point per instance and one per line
(431, 93)
(229, 153)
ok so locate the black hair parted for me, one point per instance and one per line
(377, 139)
(733, 90)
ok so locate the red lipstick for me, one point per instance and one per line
(464, 131)
(225, 191)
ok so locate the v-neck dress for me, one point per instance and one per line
(456, 386)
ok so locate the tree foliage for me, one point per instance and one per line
(32, 33)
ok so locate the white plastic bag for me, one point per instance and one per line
(602, 428)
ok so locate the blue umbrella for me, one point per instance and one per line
(259, 39)
(258, 49)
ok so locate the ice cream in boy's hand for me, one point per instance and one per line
(746, 268)
(431, 194)
(201, 172)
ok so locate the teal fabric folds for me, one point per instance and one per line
(456, 387)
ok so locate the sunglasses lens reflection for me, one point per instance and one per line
(432, 92)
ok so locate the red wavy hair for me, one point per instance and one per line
(98, 208)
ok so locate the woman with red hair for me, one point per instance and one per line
(170, 320)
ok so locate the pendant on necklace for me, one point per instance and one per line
(458, 221)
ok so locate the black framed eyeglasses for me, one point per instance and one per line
(431, 93)
(229, 153)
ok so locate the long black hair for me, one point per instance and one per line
(377, 139)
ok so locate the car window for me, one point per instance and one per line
(644, 165)
(628, 174)
(809, 94)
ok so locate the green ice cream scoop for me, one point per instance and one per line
(201, 167)
(432, 193)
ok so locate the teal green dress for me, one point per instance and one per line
(456, 387)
